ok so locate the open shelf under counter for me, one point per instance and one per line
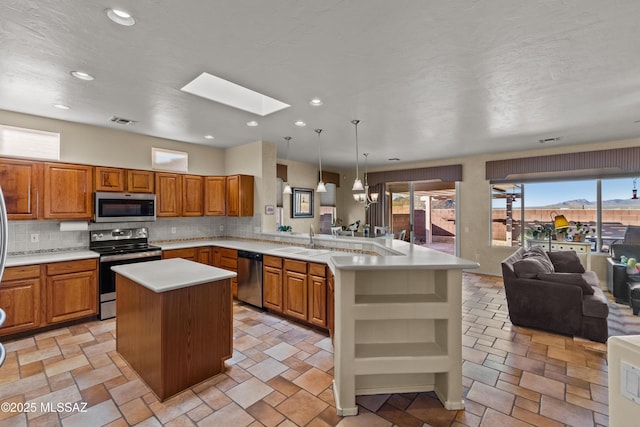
(400, 358)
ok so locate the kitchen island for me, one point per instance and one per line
(174, 323)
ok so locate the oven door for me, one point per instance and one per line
(107, 278)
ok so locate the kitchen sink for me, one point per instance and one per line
(295, 250)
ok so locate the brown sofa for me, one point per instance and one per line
(566, 300)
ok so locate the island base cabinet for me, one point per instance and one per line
(174, 339)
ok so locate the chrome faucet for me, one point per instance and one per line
(311, 234)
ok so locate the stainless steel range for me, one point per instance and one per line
(116, 247)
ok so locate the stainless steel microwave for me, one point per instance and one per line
(124, 207)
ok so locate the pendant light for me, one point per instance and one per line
(357, 184)
(321, 188)
(287, 187)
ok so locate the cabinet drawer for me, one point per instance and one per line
(229, 263)
(298, 266)
(21, 272)
(186, 253)
(71, 266)
(272, 261)
(317, 269)
(228, 253)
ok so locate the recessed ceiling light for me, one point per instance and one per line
(62, 106)
(228, 93)
(300, 123)
(547, 140)
(209, 137)
(394, 159)
(120, 17)
(252, 123)
(82, 75)
(316, 102)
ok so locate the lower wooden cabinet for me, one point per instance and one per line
(186, 253)
(205, 255)
(228, 259)
(295, 289)
(331, 308)
(272, 283)
(71, 290)
(317, 295)
(20, 292)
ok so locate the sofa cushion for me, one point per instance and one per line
(575, 279)
(595, 305)
(565, 262)
(541, 256)
(529, 268)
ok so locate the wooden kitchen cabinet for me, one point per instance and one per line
(205, 255)
(68, 191)
(317, 308)
(192, 195)
(21, 183)
(140, 181)
(272, 283)
(109, 179)
(215, 194)
(168, 194)
(20, 293)
(71, 290)
(228, 259)
(186, 253)
(295, 289)
(240, 195)
(331, 308)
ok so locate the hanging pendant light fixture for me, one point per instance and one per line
(634, 191)
(357, 184)
(287, 187)
(366, 198)
(321, 188)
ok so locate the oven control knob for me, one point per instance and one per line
(100, 236)
(94, 236)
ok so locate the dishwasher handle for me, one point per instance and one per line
(256, 256)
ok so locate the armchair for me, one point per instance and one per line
(568, 303)
(617, 276)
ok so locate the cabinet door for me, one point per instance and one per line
(295, 294)
(20, 299)
(186, 253)
(318, 300)
(71, 296)
(168, 194)
(214, 195)
(109, 179)
(140, 181)
(67, 191)
(272, 288)
(205, 256)
(240, 195)
(331, 310)
(21, 184)
(192, 195)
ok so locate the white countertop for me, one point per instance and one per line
(47, 257)
(169, 274)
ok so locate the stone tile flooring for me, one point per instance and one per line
(281, 373)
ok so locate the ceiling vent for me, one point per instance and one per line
(548, 140)
(121, 121)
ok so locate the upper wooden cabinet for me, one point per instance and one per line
(140, 181)
(67, 191)
(21, 183)
(109, 179)
(168, 194)
(215, 192)
(240, 195)
(192, 195)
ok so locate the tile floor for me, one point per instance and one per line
(281, 375)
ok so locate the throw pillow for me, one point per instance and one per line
(575, 279)
(566, 262)
(540, 254)
(529, 268)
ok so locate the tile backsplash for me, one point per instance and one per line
(33, 236)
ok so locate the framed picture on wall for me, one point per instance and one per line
(302, 203)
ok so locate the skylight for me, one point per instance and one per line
(225, 92)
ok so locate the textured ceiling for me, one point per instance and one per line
(427, 79)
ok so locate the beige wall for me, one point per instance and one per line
(110, 147)
(301, 175)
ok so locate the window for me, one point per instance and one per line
(506, 214)
(35, 144)
(619, 209)
(169, 160)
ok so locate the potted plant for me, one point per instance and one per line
(285, 228)
(539, 231)
(578, 231)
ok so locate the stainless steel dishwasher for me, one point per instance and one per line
(250, 277)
